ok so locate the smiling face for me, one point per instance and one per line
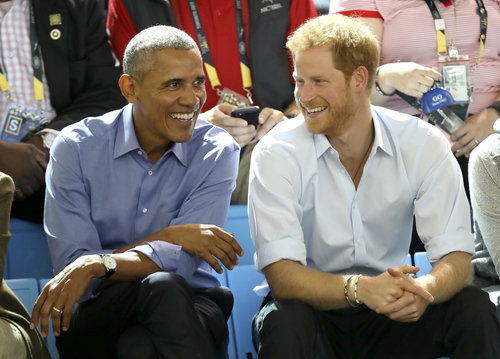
(322, 92)
(167, 98)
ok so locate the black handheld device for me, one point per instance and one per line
(250, 114)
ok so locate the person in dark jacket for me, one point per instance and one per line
(56, 67)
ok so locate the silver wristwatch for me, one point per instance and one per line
(47, 138)
(110, 264)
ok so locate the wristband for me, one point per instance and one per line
(496, 106)
(379, 89)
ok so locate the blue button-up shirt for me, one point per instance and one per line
(103, 193)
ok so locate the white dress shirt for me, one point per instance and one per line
(303, 205)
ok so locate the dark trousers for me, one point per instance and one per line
(156, 317)
(31, 208)
(463, 327)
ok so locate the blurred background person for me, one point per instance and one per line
(56, 67)
(410, 35)
(484, 177)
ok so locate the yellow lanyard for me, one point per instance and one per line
(207, 57)
(440, 27)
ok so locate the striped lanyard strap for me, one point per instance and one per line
(207, 56)
(440, 30)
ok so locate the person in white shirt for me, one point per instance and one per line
(331, 202)
(484, 174)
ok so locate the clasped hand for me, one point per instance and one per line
(396, 294)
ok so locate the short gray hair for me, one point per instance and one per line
(139, 51)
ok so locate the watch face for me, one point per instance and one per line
(109, 263)
(48, 139)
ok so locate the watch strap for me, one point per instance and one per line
(496, 106)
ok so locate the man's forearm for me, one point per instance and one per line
(448, 276)
(291, 280)
(132, 265)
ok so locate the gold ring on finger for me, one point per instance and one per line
(476, 142)
(57, 310)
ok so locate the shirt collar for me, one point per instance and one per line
(322, 145)
(126, 140)
(381, 139)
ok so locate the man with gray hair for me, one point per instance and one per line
(135, 203)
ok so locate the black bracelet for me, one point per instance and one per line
(496, 106)
(377, 86)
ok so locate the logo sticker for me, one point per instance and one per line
(55, 19)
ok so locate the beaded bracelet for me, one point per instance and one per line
(346, 288)
(358, 302)
(378, 88)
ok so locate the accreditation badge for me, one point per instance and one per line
(19, 122)
(233, 98)
(457, 81)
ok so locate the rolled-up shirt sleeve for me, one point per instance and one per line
(168, 261)
(169, 257)
(274, 191)
(442, 211)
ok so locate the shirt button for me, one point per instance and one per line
(139, 152)
(358, 241)
(150, 173)
(144, 210)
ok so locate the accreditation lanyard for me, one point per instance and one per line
(207, 56)
(440, 28)
(36, 58)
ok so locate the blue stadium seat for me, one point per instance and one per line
(50, 340)
(28, 254)
(237, 223)
(26, 289)
(420, 260)
(241, 280)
